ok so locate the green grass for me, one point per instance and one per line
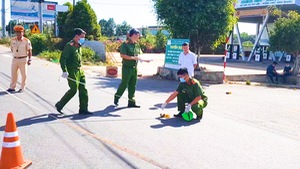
(88, 59)
(52, 56)
(5, 41)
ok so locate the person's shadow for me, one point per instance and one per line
(6, 92)
(158, 106)
(107, 112)
(173, 122)
(3, 93)
(32, 120)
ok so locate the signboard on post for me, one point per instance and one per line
(35, 30)
(51, 7)
(62, 8)
(262, 3)
(27, 11)
(173, 50)
(251, 13)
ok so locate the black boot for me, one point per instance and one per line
(116, 101)
(179, 114)
(85, 112)
(133, 105)
(58, 108)
(199, 117)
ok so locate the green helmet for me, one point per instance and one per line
(187, 116)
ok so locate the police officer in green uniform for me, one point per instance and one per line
(129, 51)
(70, 62)
(190, 92)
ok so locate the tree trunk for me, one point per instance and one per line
(296, 65)
(198, 56)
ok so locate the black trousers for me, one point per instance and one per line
(271, 75)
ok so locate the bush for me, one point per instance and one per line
(248, 82)
(39, 43)
(88, 55)
(103, 39)
(58, 43)
(112, 46)
(5, 41)
(161, 42)
(247, 44)
(147, 43)
(89, 37)
(52, 56)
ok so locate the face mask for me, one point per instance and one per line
(81, 40)
(182, 80)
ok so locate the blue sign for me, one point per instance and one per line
(261, 3)
(28, 11)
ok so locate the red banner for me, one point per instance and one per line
(51, 7)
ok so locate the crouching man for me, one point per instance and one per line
(190, 92)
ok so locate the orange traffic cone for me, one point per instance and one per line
(11, 156)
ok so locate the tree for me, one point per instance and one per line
(204, 22)
(61, 20)
(147, 42)
(10, 27)
(122, 29)
(285, 37)
(244, 37)
(161, 41)
(108, 27)
(248, 44)
(83, 16)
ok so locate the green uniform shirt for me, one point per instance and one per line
(70, 58)
(192, 90)
(130, 49)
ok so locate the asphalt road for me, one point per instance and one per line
(254, 127)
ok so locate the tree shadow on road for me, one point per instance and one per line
(173, 122)
(32, 120)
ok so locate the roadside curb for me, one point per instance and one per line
(264, 85)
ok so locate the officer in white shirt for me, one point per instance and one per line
(22, 51)
(187, 59)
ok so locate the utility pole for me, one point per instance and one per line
(73, 3)
(55, 23)
(41, 15)
(3, 18)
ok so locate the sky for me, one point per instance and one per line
(137, 13)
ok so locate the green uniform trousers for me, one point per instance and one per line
(196, 108)
(78, 76)
(129, 80)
